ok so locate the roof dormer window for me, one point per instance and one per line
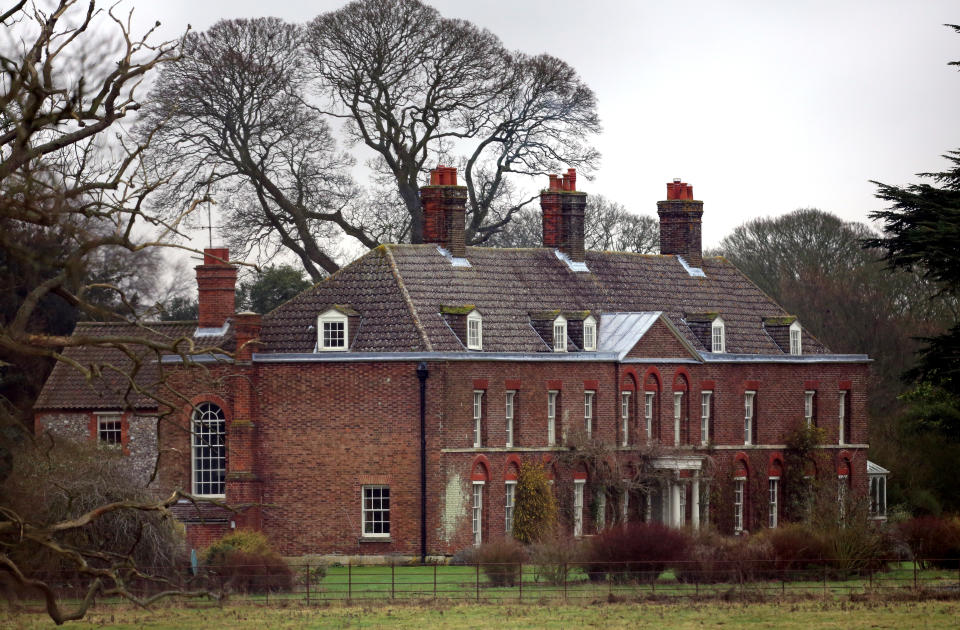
(590, 334)
(332, 331)
(560, 334)
(795, 343)
(718, 336)
(474, 331)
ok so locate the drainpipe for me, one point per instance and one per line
(422, 374)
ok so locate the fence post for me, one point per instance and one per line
(564, 581)
(349, 580)
(824, 580)
(478, 581)
(914, 574)
(520, 598)
(393, 579)
(308, 584)
(434, 580)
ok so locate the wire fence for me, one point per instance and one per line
(309, 584)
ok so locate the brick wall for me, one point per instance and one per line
(326, 429)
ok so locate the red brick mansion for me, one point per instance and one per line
(387, 409)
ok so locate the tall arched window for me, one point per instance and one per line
(209, 450)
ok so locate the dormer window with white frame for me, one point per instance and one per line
(560, 334)
(718, 336)
(590, 334)
(796, 347)
(332, 331)
(474, 331)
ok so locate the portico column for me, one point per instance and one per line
(675, 503)
(695, 509)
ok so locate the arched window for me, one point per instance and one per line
(209, 450)
(718, 336)
(795, 344)
(590, 333)
(474, 331)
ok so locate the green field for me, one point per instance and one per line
(801, 615)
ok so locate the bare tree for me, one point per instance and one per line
(72, 196)
(235, 128)
(416, 87)
(608, 226)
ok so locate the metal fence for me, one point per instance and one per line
(524, 582)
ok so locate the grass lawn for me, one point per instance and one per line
(801, 615)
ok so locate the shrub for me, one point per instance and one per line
(466, 556)
(933, 540)
(244, 562)
(555, 558)
(635, 551)
(501, 560)
(715, 558)
(535, 508)
(797, 550)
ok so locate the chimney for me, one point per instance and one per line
(563, 210)
(444, 211)
(247, 333)
(680, 218)
(217, 285)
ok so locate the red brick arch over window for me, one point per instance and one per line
(652, 381)
(681, 380)
(630, 379)
(741, 465)
(775, 468)
(580, 473)
(480, 471)
(512, 468)
(843, 463)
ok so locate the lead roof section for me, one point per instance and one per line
(399, 291)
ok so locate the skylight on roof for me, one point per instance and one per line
(579, 267)
(696, 272)
(455, 261)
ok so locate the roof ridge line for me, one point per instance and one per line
(406, 298)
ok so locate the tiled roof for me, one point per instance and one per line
(67, 387)
(399, 291)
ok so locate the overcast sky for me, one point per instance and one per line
(764, 107)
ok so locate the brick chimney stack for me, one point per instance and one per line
(680, 217)
(444, 211)
(217, 285)
(563, 215)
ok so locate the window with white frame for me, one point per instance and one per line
(718, 336)
(477, 520)
(109, 428)
(477, 418)
(508, 414)
(748, 400)
(677, 412)
(843, 424)
(578, 485)
(738, 488)
(209, 450)
(560, 334)
(588, 412)
(590, 334)
(682, 508)
(773, 492)
(625, 504)
(648, 413)
(376, 511)
(625, 418)
(808, 400)
(474, 331)
(795, 345)
(332, 331)
(705, 398)
(511, 496)
(552, 417)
